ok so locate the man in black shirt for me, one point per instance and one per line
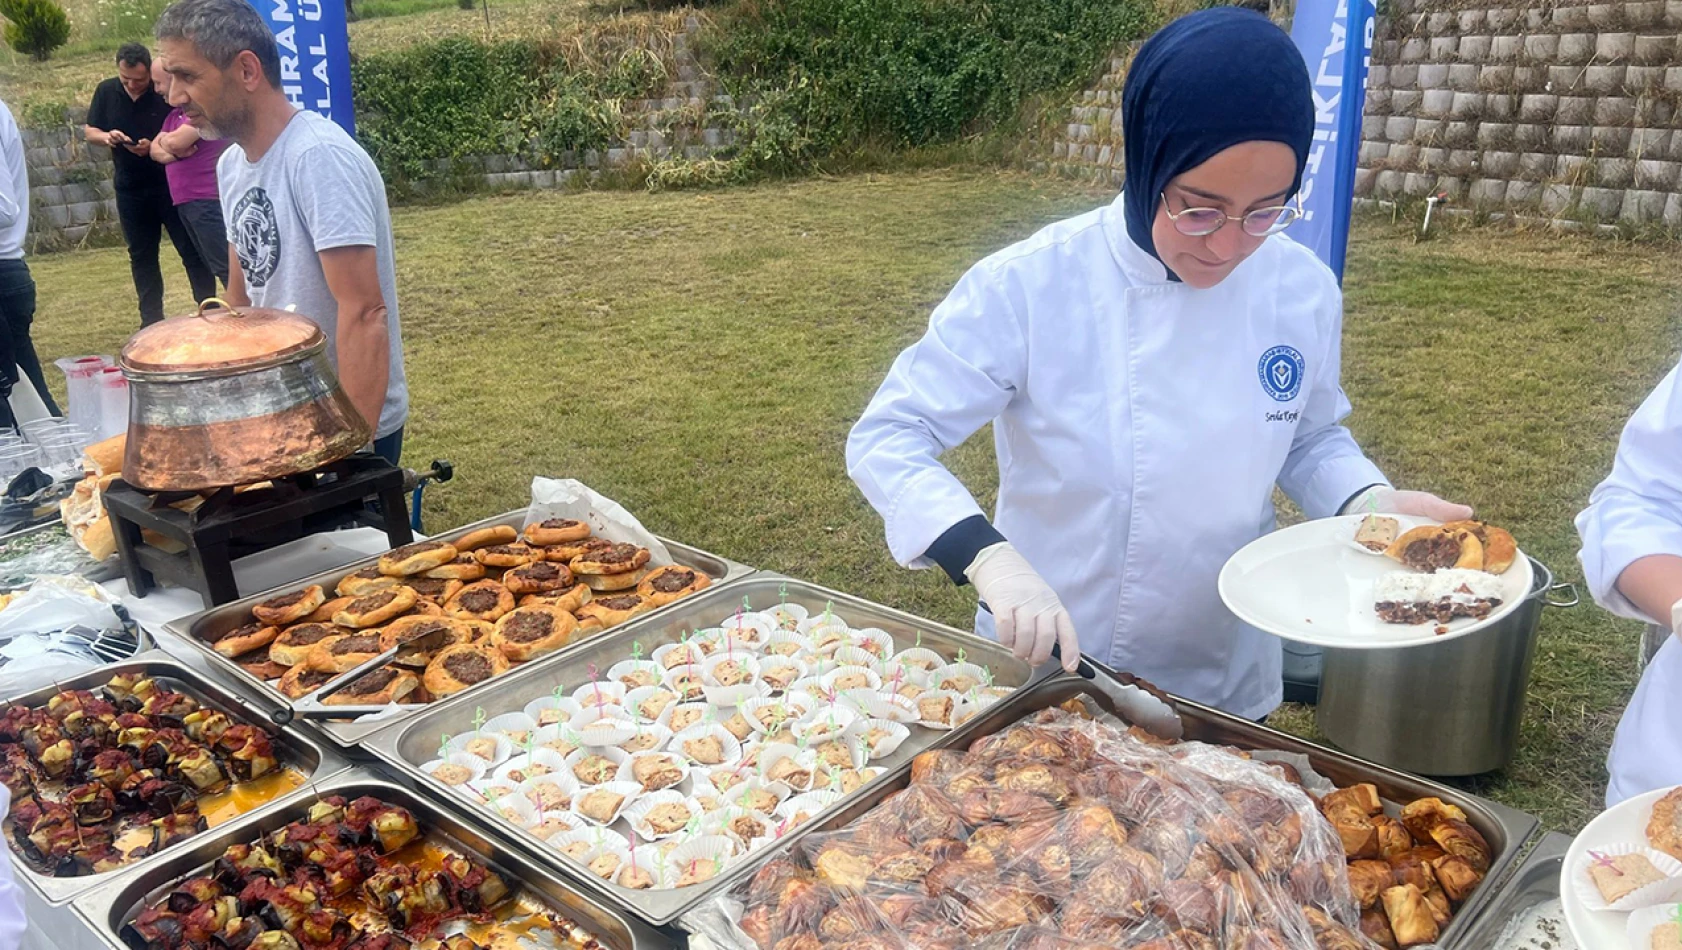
(126, 114)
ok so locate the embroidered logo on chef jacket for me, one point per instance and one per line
(1281, 370)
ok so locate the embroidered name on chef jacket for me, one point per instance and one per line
(1281, 371)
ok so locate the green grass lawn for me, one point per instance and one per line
(701, 356)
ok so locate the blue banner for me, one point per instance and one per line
(1338, 70)
(314, 55)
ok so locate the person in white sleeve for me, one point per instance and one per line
(1152, 369)
(12, 922)
(1632, 560)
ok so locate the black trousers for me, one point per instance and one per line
(203, 219)
(145, 215)
(17, 313)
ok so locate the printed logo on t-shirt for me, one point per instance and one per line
(256, 236)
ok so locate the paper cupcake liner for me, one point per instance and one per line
(920, 658)
(724, 779)
(726, 697)
(952, 677)
(737, 796)
(844, 678)
(993, 694)
(732, 748)
(891, 708)
(607, 859)
(631, 790)
(637, 814)
(607, 731)
(1659, 892)
(619, 672)
(637, 698)
(785, 616)
(884, 746)
(649, 737)
(779, 669)
(502, 746)
(617, 756)
(935, 694)
(1645, 921)
(764, 625)
(684, 715)
(537, 791)
(515, 809)
(551, 823)
(612, 693)
(857, 656)
(787, 643)
(819, 618)
(689, 682)
(716, 850)
(557, 738)
(523, 766)
(466, 760)
(827, 638)
(746, 662)
(643, 859)
(671, 656)
(514, 725)
(718, 823)
(764, 722)
(548, 711)
(966, 711)
(809, 805)
(875, 641)
(627, 771)
(772, 755)
(587, 838)
(825, 723)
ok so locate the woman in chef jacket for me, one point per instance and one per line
(1632, 560)
(1152, 370)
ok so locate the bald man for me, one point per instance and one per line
(189, 159)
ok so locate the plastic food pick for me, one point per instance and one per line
(782, 592)
(444, 745)
(919, 639)
(693, 825)
(1676, 915)
(746, 604)
(1602, 860)
(987, 676)
(961, 654)
(636, 650)
(478, 719)
(558, 691)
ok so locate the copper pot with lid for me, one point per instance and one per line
(230, 397)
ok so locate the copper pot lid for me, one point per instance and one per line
(214, 342)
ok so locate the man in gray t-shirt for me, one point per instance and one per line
(305, 208)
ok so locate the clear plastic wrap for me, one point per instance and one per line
(1064, 832)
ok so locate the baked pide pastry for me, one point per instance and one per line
(568, 600)
(413, 627)
(343, 653)
(324, 613)
(294, 643)
(612, 583)
(484, 600)
(512, 554)
(426, 608)
(587, 626)
(526, 633)
(665, 584)
(372, 610)
(365, 581)
(459, 667)
(1433, 547)
(290, 608)
(436, 590)
(300, 681)
(1664, 828)
(538, 577)
(485, 537)
(1499, 548)
(417, 558)
(556, 531)
(245, 639)
(565, 551)
(612, 609)
(258, 664)
(613, 559)
(386, 685)
(464, 568)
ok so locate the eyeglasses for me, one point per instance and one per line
(1202, 222)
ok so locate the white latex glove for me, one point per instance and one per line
(1420, 504)
(1026, 612)
(1676, 618)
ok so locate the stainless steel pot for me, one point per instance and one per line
(230, 397)
(1450, 708)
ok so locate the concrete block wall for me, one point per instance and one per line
(71, 200)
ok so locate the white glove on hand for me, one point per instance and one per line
(1420, 504)
(1026, 612)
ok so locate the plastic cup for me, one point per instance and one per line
(15, 458)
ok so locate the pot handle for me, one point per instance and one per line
(1563, 602)
(220, 303)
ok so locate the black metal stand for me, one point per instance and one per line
(230, 525)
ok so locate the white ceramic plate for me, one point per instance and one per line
(1625, 824)
(1310, 583)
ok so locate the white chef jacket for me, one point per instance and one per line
(1140, 427)
(1634, 513)
(12, 922)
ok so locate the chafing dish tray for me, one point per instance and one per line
(202, 630)
(294, 749)
(417, 742)
(109, 909)
(1534, 883)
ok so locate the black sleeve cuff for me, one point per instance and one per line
(1346, 501)
(957, 547)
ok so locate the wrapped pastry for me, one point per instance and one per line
(1411, 919)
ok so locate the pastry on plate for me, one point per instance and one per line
(614, 609)
(618, 558)
(556, 531)
(344, 653)
(300, 681)
(512, 554)
(416, 558)
(1619, 876)
(1664, 828)
(671, 582)
(1433, 547)
(383, 686)
(730, 672)
(450, 773)
(538, 577)
(485, 600)
(485, 537)
(245, 639)
(459, 667)
(294, 643)
(290, 608)
(1499, 548)
(526, 633)
(464, 568)
(1376, 533)
(707, 749)
(367, 580)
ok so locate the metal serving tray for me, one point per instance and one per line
(294, 749)
(415, 742)
(1535, 881)
(109, 908)
(1505, 829)
(203, 629)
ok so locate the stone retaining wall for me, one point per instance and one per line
(71, 200)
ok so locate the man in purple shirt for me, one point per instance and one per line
(189, 161)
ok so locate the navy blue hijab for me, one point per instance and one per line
(1204, 83)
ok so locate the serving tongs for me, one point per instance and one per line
(1136, 700)
(311, 705)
